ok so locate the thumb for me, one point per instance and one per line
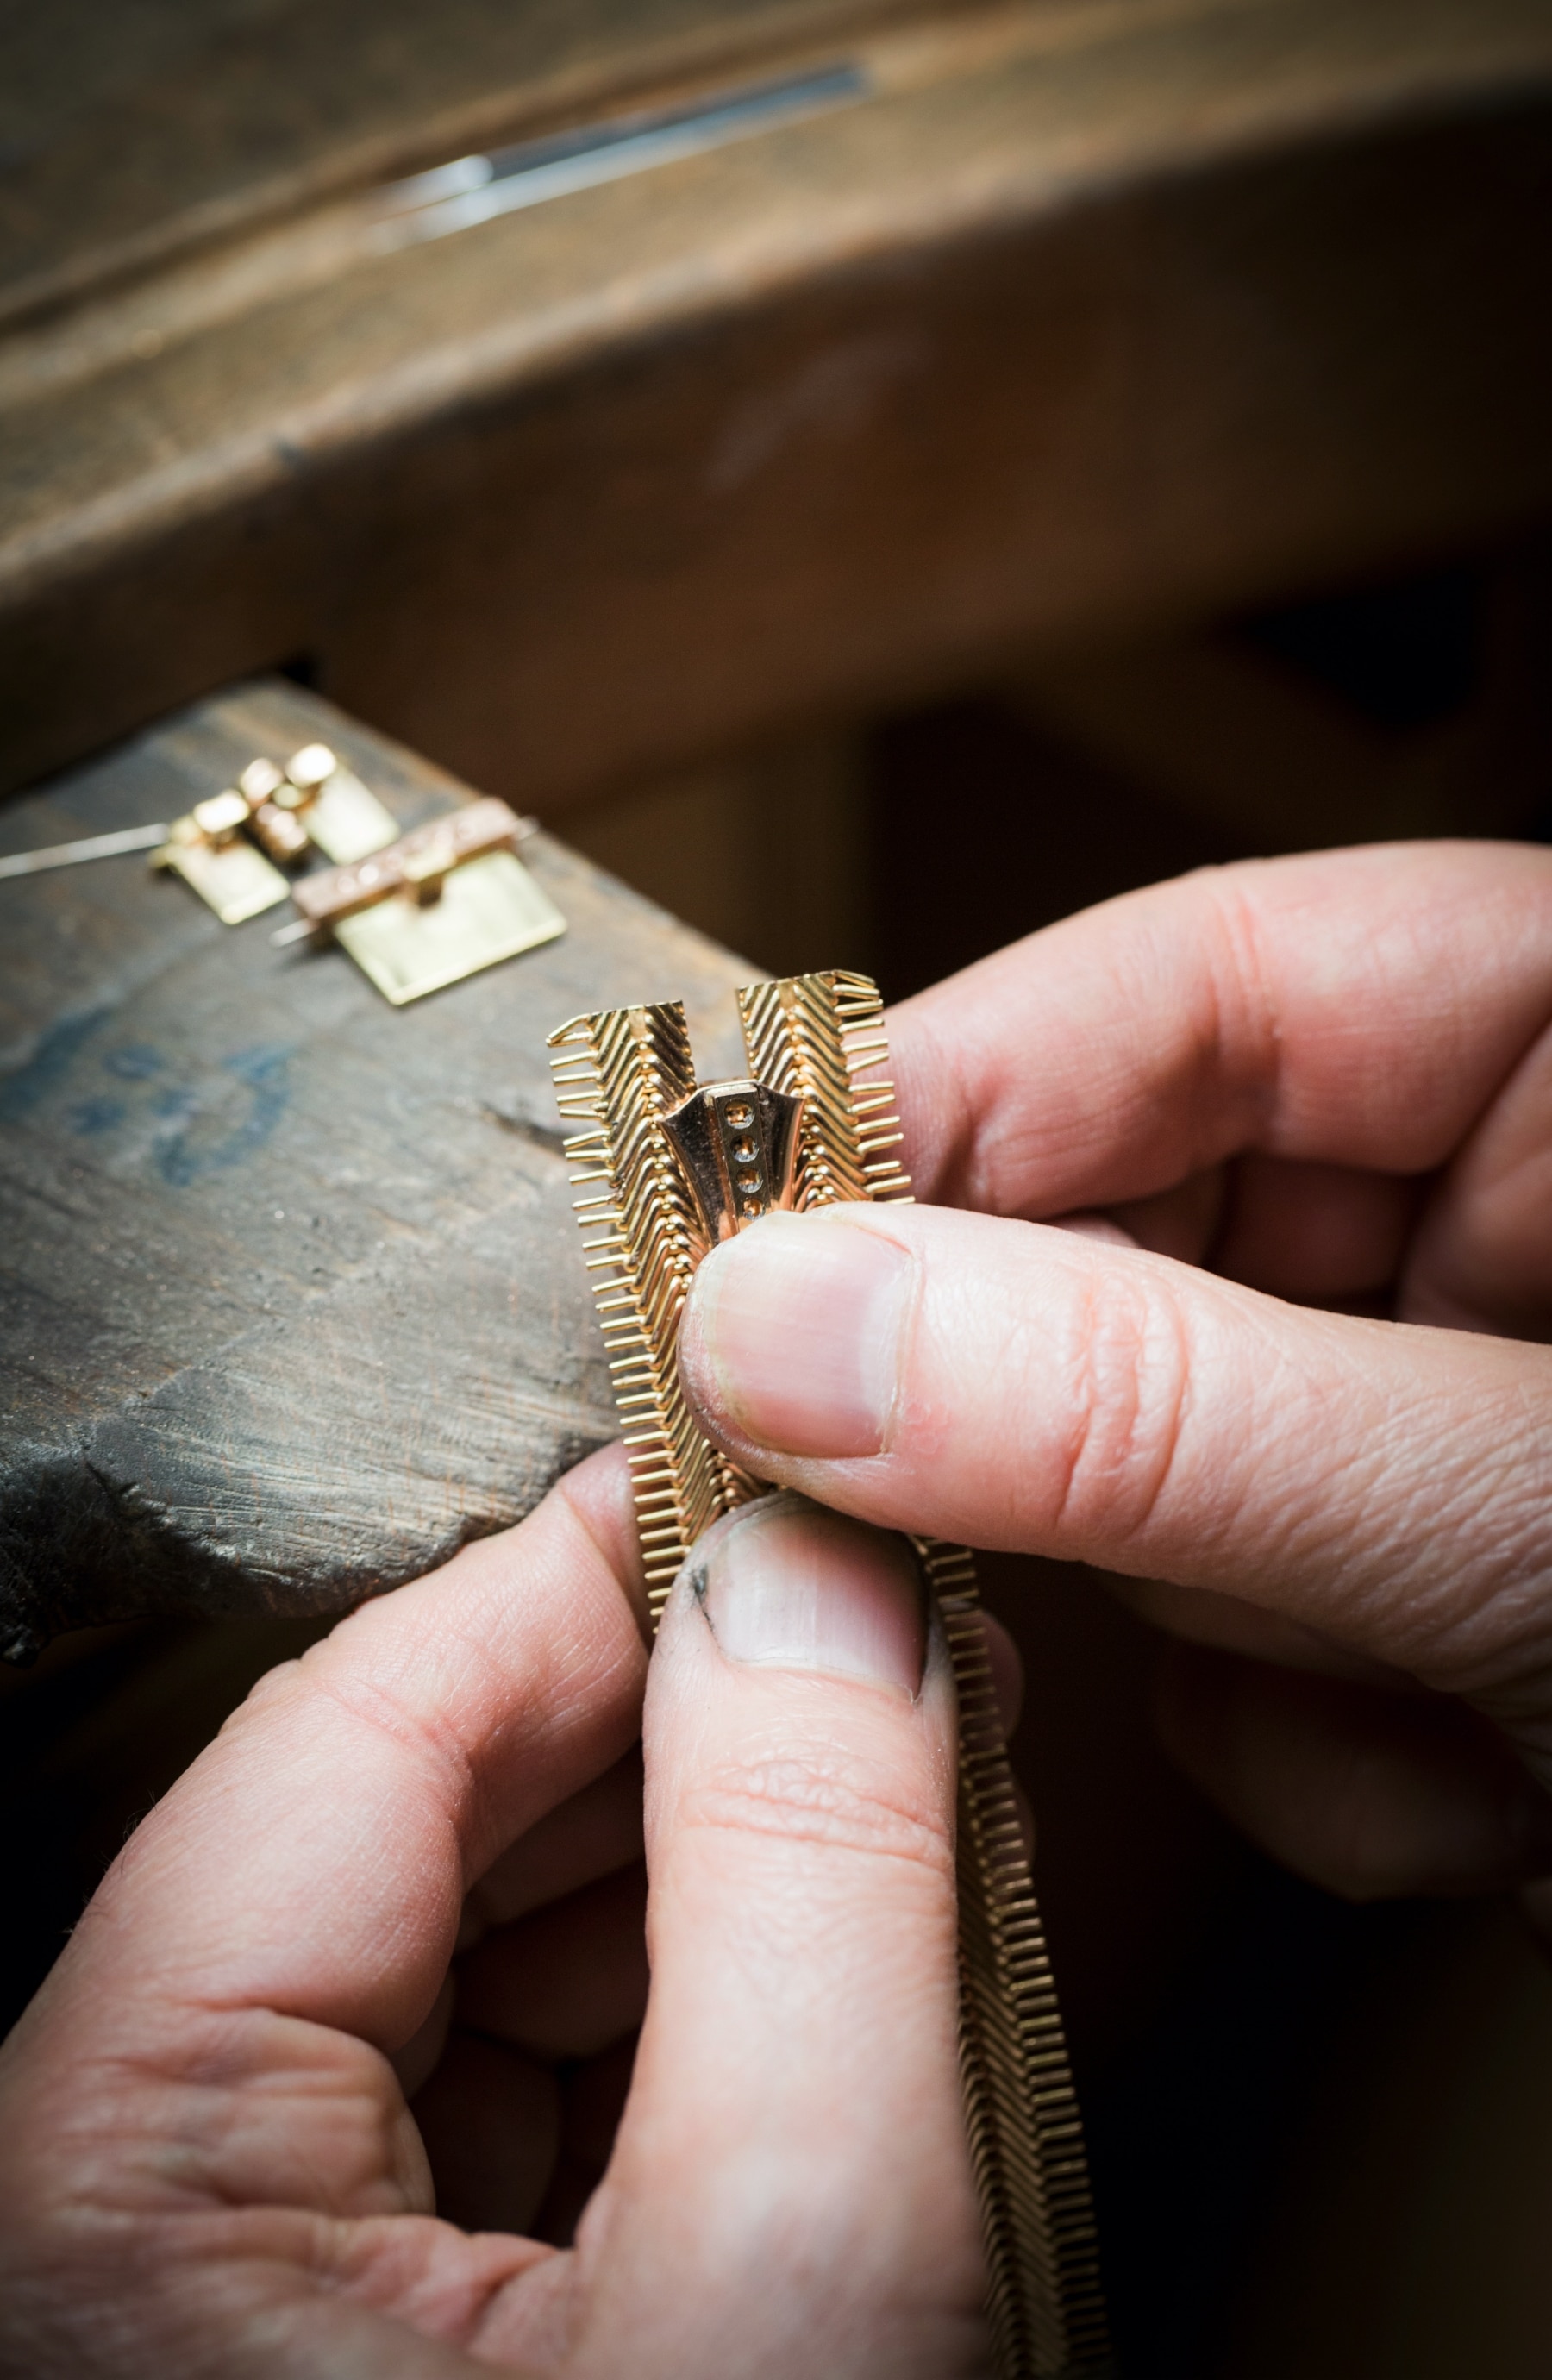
(791, 2188)
(1002, 1384)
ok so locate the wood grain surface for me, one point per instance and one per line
(1088, 314)
(134, 134)
(293, 1301)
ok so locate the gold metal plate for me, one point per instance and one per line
(490, 909)
(347, 820)
(232, 879)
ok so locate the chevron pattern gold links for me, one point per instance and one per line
(618, 1074)
(1045, 2301)
(819, 1038)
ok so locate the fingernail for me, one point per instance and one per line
(787, 1586)
(789, 1335)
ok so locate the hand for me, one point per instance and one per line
(209, 2168)
(1296, 1120)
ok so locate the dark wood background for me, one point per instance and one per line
(1088, 317)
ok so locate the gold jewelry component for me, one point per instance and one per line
(226, 847)
(666, 1168)
(437, 905)
(416, 912)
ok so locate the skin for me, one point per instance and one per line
(211, 2165)
(1282, 1371)
(1280, 1368)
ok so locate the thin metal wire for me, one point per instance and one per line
(91, 847)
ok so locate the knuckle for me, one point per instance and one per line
(827, 1803)
(417, 1736)
(1126, 1371)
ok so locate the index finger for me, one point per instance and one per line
(1354, 1008)
(313, 1860)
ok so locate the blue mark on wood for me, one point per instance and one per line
(94, 1116)
(191, 1142)
(263, 1070)
(134, 1061)
(49, 1064)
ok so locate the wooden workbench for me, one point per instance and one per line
(293, 1302)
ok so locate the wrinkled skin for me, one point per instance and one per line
(1283, 1372)
(209, 2164)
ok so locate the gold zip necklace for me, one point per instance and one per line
(666, 1168)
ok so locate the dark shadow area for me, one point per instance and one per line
(984, 829)
(1425, 700)
(1404, 654)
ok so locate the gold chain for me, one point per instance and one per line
(815, 1044)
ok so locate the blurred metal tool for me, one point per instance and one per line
(91, 847)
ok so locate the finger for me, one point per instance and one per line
(1354, 1008)
(1316, 1232)
(416, 2060)
(1227, 1623)
(1009, 1386)
(390, 1764)
(309, 1870)
(1091, 1226)
(796, 2089)
(1181, 1222)
(1483, 1254)
(567, 1980)
(1370, 1794)
(589, 1836)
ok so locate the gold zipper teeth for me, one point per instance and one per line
(821, 1037)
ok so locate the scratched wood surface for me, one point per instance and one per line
(293, 1303)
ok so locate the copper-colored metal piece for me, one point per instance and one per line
(230, 875)
(661, 1167)
(414, 861)
(312, 767)
(341, 817)
(439, 904)
(737, 1145)
(219, 818)
(280, 832)
(224, 847)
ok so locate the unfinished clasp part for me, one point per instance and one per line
(738, 1146)
(226, 846)
(669, 1168)
(666, 1169)
(436, 905)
